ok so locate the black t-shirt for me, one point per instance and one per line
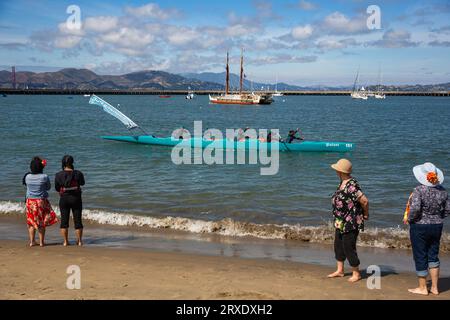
(72, 180)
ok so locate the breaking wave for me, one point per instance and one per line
(395, 238)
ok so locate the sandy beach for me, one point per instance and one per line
(40, 273)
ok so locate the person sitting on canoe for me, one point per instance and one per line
(180, 133)
(241, 134)
(208, 135)
(273, 137)
(292, 135)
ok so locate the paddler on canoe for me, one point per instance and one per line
(292, 135)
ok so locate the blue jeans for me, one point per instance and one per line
(425, 242)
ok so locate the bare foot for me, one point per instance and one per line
(80, 243)
(434, 291)
(354, 279)
(42, 245)
(336, 274)
(423, 292)
(66, 244)
(32, 244)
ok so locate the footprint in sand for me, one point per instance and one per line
(245, 294)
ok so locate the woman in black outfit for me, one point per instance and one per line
(68, 183)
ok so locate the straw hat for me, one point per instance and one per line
(343, 165)
(426, 173)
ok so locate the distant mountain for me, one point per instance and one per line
(83, 79)
(414, 88)
(219, 78)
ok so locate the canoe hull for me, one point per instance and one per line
(306, 146)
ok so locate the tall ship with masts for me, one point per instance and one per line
(242, 98)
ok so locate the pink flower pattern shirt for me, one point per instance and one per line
(347, 211)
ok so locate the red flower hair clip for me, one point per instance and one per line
(432, 178)
(44, 163)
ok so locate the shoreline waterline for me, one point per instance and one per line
(385, 238)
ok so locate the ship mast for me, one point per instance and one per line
(227, 87)
(356, 81)
(242, 72)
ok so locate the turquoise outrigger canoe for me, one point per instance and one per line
(305, 146)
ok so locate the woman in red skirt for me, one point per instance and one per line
(39, 211)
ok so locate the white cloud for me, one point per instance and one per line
(64, 30)
(182, 36)
(302, 32)
(338, 23)
(282, 58)
(395, 39)
(151, 10)
(67, 42)
(130, 38)
(101, 23)
(238, 30)
(334, 44)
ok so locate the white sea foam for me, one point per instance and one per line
(8, 207)
(372, 237)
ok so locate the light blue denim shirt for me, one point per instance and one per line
(37, 186)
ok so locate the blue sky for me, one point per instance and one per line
(304, 42)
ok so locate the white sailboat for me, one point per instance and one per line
(379, 94)
(277, 93)
(358, 93)
(190, 95)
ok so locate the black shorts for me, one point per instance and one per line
(74, 203)
(345, 247)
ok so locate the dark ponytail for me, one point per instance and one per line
(67, 162)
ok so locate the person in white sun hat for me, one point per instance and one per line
(426, 209)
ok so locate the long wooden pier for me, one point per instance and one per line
(9, 91)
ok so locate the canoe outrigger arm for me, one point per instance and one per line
(130, 124)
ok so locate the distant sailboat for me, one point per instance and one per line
(379, 94)
(356, 93)
(190, 95)
(277, 93)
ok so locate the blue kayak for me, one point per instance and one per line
(305, 146)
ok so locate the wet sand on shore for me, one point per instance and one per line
(40, 273)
